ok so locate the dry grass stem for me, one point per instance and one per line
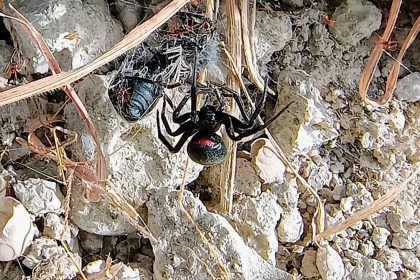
(212, 250)
(377, 52)
(118, 202)
(233, 36)
(395, 70)
(135, 37)
(373, 208)
(248, 45)
(66, 222)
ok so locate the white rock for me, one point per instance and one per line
(406, 239)
(58, 266)
(410, 260)
(319, 176)
(54, 227)
(380, 236)
(408, 88)
(91, 21)
(390, 258)
(118, 271)
(369, 269)
(291, 226)
(329, 263)
(96, 217)
(287, 192)
(16, 229)
(272, 34)
(247, 181)
(367, 248)
(361, 196)
(355, 20)
(307, 123)
(255, 220)
(179, 237)
(346, 204)
(137, 170)
(308, 268)
(39, 196)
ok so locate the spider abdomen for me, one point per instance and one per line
(207, 148)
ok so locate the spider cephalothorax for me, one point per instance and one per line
(205, 146)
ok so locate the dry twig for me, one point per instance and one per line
(373, 208)
(377, 52)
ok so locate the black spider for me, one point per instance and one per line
(205, 146)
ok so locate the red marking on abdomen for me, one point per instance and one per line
(205, 142)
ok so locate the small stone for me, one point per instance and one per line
(59, 266)
(380, 236)
(329, 263)
(294, 3)
(369, 269)
(346, 204)
(247, 181)
(272, 34)
(408, 88)
(54, 227)
(406, 239)
(410, 260)
(5, 56)
(128, 13)
(91, 242)
(390, 258)
(367, 248)
(255, 219)
(39, 196)
(308, 268)
(355, 20)
(291, 226)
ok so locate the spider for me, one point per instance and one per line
(205, 146)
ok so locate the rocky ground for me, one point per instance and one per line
(350, 152)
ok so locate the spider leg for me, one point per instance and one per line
(238, 99)
(187, 129)
(260, 103)
(180, 129)
(194, 115)
(230, 128)
(176, 118)
(237, 125)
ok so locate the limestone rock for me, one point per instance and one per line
(355, 20)
(76, 31)
(228, 252)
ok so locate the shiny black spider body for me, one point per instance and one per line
(205, 146)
